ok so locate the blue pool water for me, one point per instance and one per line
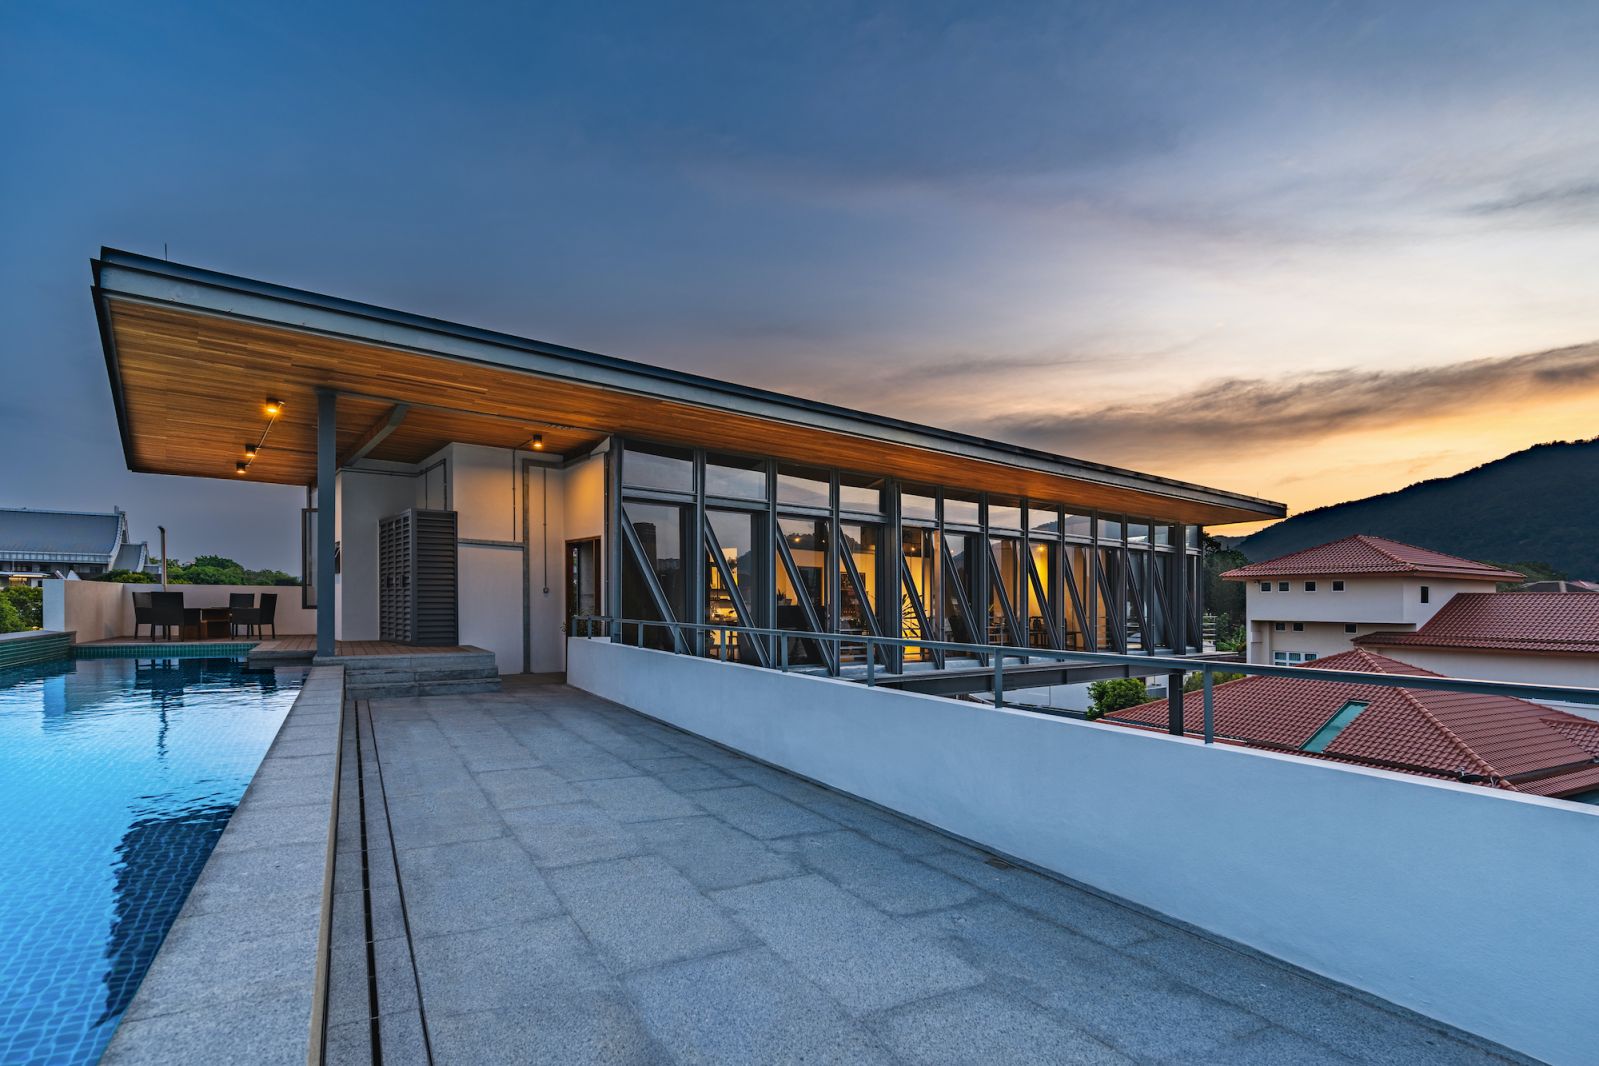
(116, 778)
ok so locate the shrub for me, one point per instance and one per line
(21, 607)
(1116, 694)
(125, 577)
(1197, 681)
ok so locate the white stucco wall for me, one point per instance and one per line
(1371, 603)
(1463, 903)
(1580, 670)
(366, 496)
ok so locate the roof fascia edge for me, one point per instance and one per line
(136, 281)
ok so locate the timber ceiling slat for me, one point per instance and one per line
(194, 385)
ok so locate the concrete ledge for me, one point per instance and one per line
(239, 977)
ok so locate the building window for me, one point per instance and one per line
(1349, 627)
(1282, 586)
(1335, 725)
(1310, 586)
(1426, 594)
(1338, 586)
(1299, 627)
(1291, 658)
(1280, 626)
(1265, 586)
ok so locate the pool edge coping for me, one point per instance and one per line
(177, 1015)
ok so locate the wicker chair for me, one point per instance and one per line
(166, 611)
(254, 618)
(143, 614)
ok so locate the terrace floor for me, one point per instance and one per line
(549, 877)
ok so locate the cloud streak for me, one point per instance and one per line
(1240, 414)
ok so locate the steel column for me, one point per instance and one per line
(327, 456)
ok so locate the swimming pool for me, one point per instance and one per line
(117, 776)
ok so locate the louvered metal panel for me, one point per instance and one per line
(418, 578)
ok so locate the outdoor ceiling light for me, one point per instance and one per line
(240, 467)
(538, 442)
(274, 407)
(249, 451)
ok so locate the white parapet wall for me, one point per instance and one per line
(1466, 904)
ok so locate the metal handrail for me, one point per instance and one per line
(1168, 664)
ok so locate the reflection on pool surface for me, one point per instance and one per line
(116, 778)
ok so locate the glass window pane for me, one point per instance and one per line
(658, 468)
(1191, 536)
(862, 542)
(961, 507)
(1005, 586)
(1078, 525)
(958, 580)
(803, 487)
(1138, 533)
(1079, 572)
(736, 536)
(1004, 513)
(742, 479)
(1162, 536)
(1110, 529)
(660, 533)
(807, 542)
(920, 548)
(1042, 518)
(1039, 615)
(860, 492)
(919, 505)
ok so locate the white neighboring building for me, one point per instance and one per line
(38, 544)
(1313, 603)
(1543, 638)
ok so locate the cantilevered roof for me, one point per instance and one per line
(193, 354)
(1361, 554)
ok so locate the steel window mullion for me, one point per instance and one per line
(996, 578)
(853, 572)
(921, 611)
(960, 592)
(1084, 622)
(1136, 598)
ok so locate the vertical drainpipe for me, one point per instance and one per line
(326, 461)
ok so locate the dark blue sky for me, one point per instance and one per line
(1052, 223)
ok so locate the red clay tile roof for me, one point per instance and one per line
(1540, 622)
(1418, 730)
(1361, 554)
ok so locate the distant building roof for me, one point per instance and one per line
(1361, 554)
(61, 536)
(1494, 740)
(132, 556)
(1539, 622)
(1558, 586)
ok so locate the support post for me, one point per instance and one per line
(326, 473)
(1210, 706)
(1174, 703)
(1179, 589)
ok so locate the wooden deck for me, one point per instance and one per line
(303, 645)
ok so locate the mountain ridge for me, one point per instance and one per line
(1540, 504)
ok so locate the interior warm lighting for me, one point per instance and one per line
(274, 408)
(538, 442)
(249, 451)
(240, 467)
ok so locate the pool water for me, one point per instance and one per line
(117, 776)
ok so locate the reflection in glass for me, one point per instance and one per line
(1043, 518)
(1136, 581)
(736, 537)
(658, 468)
(806, 541)
(1138, 533)
(918, 505)
(860, 543)
(1108, 613)
(1078, 525)
(961, 507)
(1004, 514)
(1162, 536)
(660, 534)
(860, 492)
(740, 479)
(1004, 589)
(1109, 530)
(917, 600)
(803, 487)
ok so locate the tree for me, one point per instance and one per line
(125, 577)
(10, 618)
(1224, 599)
(27, 603)
(1116, 694)
(1220, 677)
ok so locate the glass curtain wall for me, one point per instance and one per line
(746, 542)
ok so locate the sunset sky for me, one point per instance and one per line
(1302, 251)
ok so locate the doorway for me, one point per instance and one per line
(582, 581)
